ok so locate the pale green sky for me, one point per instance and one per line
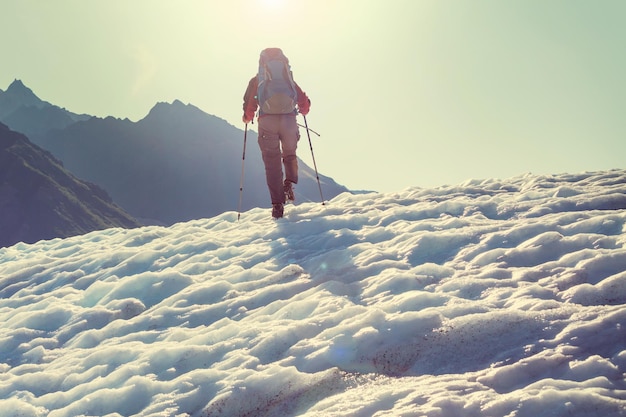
(404, 92)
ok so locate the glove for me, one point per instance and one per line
(245, 119)
(304, 110)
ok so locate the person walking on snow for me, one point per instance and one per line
(279, 100)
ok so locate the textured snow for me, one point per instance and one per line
(488, 298)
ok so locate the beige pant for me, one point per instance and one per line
(278, 140)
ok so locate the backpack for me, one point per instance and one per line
(276, 93)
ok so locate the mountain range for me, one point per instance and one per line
(24, 112)
(176, 164)
(39, 199)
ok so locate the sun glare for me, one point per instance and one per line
(274, 4)
(278, 15)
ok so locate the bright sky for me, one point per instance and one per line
(404, 92)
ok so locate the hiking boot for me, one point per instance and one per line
(289, 195)
(277, 210)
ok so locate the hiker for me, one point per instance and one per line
(279, 99)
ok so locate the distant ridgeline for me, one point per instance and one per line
(39, 199)
(176, 164)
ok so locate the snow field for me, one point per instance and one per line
(488, 298)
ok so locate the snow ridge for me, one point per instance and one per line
(488, 298)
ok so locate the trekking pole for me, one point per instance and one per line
(310, 130)
(313, 156)
(243, 160)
